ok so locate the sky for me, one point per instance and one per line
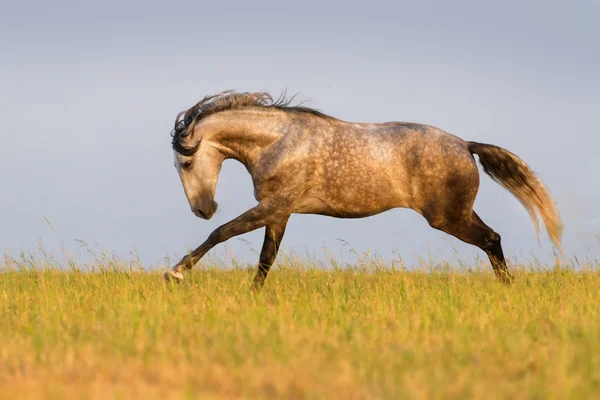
(89, 92)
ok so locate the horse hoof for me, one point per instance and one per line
(172, 276)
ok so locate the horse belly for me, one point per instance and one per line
(358, 194)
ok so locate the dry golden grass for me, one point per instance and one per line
(310, 334)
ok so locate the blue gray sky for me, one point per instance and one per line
(89, 91)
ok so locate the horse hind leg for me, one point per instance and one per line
(493, 248)
(471, 229)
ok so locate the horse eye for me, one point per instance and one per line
(187, 165)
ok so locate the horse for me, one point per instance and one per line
(306, 162)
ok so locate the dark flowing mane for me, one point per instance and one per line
(225, 101)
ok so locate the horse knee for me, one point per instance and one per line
(493, 241)
(494, 238)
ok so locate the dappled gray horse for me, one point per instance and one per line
(303, 161)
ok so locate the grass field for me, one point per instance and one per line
(116, 332)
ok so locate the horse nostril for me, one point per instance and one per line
(200, 213)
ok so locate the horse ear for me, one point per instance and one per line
(189, 121)
(190, 130)
(186, 142)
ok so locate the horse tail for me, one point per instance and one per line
(514, 175)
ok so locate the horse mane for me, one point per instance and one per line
(226, 101)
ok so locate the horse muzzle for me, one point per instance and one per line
(206, 211)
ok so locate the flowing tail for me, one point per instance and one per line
(514, 175)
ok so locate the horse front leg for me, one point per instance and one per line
(273, 236)
(257, 217)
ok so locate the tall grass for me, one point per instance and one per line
(375, 330)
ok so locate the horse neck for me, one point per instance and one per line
(243, 135)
